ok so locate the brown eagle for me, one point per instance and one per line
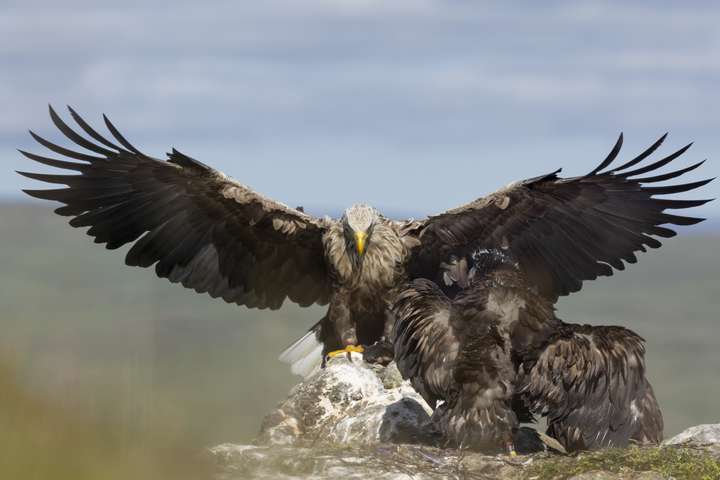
(201, 229)
(495, 355)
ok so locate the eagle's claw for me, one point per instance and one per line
(348, 349)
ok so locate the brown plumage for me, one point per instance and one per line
(208, 232)
(458, 357)
(498, 346)
(195, 225)
(589, 381)
(563, 231)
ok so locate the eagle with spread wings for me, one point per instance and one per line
(210, 233)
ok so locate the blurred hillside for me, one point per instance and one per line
(152, 362)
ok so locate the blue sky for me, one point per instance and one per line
(412, 106)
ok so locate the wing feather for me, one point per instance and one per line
(563, 231)
(590, 383)
(425, 343)
(198, 227)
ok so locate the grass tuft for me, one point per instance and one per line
(675, 462)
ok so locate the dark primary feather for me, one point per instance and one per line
(197, 227)
(563, 231)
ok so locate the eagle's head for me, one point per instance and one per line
(358, 222)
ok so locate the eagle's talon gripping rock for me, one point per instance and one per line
(349, 349)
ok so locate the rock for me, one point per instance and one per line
(353, 420)
(384, 462)
(356, 420)
(699, 434)
(349, 402)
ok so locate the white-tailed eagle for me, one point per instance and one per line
(208, 232)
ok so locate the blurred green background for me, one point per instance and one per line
(101, 358)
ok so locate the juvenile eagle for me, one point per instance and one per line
(212, 234)
(495, 354)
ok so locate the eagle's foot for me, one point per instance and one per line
(349, 349)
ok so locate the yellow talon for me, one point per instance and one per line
(348, 349)
(513, 453)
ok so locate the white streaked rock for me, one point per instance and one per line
(348, 403)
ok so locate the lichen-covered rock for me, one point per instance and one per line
(699, 434)
(382, 461)
(353, 420)
(349, 403)
(400, 462)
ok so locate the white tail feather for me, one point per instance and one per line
(304, 356)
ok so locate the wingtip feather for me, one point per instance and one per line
(610, 156)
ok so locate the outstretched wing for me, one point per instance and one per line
(562, 231)
(197, 226)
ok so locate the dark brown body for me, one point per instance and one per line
(362, 290)
(505, 346)
(344, 325)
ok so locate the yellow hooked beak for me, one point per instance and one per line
(360, 240)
